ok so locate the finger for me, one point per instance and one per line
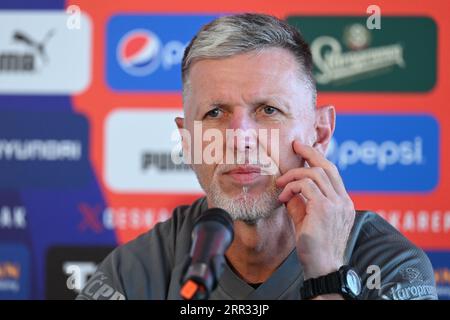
(317, 174)
(316, 159)
(296, 207)
(305, 187)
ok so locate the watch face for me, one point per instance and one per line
(353, 282)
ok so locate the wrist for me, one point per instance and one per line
(344, 282)
(310, 272)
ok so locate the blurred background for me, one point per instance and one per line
(89, 90)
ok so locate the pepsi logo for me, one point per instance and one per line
(138, 52)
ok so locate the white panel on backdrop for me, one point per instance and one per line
(41, 53)
(138, 148)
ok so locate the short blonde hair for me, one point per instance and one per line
(231, 35)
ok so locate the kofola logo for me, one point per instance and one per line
(348, 56)
(372, 154)
(144, 52)
(43, 150)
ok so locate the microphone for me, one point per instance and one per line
(211, 236)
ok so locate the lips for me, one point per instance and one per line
(244, 170)
(244, 174)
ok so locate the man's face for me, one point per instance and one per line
(252, 91)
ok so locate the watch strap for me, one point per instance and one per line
(328, 284)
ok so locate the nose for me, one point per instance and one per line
(242, 129)
(240, 119)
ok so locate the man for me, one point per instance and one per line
(297, 235)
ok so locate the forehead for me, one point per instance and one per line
(268, 72)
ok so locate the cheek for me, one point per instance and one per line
(204, 172)
(204, 143)
(288, 158)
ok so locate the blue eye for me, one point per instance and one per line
(214, 113)
(269, 110)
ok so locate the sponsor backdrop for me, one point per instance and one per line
(88, 97)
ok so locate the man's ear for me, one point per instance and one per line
(324, 126)
(185, 139)
(182, 131)
(180, 122)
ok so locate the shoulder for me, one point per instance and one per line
(371, 233)
(404, 270)
(141, 268)
(167, 234)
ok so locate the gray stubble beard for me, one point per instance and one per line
(245, 206)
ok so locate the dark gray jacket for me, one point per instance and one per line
(150, 266)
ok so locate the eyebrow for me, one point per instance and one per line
(207, 106)
(273, 99)
(277, 100)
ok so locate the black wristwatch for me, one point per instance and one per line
(345, 282)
